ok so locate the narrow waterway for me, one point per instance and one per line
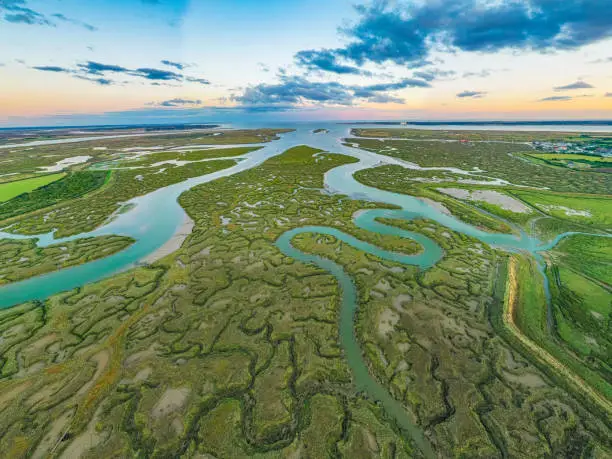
(144, 222)
(154, 218)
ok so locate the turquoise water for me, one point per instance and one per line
(364, 382)
(154, 218)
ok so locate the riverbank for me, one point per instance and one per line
(175, 242)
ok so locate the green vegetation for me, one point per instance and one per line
(82, 215)
(485, 136)
(21, 259)
(12, 189)
(593, 211)
(571, 157)
(570, 335)
(400, 180)
(198, 155)
(29, 159)
(227, 348)
(588, 255)
(75, 185)
(496, 160)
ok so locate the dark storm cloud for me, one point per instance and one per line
(17, 12)
(555, 98)
(471, 94)
(572, 86)
(405, 32)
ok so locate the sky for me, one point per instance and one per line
(74, 62)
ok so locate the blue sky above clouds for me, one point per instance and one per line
(63, 61)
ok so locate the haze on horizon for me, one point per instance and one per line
(67, 62)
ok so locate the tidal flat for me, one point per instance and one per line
(229, 344)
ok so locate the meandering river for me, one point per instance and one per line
(154, 218)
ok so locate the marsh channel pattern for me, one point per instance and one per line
(153, 219)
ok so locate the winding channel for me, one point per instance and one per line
(154, 218)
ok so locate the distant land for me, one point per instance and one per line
(117, 127)
(489, 123)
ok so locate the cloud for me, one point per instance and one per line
(89, 69)
(374, 92)
(556, 98)
(405, 32)
(179, 102)
(100, 81)
(197, 80)
(606, 60)
(297, 91)
(52, 68)
(471, 94)
(484, 73)
(434, 74)
(576, 85)
(608, 94)
(17, 12)
(294, 90)
(156, 74)
(85, 25)
(96, 68)
(177, 65)
(326, 60)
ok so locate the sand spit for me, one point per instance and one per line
(174, 243)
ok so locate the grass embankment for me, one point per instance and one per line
(525, 316)
(11, 190)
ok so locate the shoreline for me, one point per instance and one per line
(174, 243)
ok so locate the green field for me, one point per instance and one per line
(572, 157)
(11, 190)
(588, 210)
(75, 185)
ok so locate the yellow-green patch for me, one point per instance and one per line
(11, 190)
(584, 209)
(573, 157)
